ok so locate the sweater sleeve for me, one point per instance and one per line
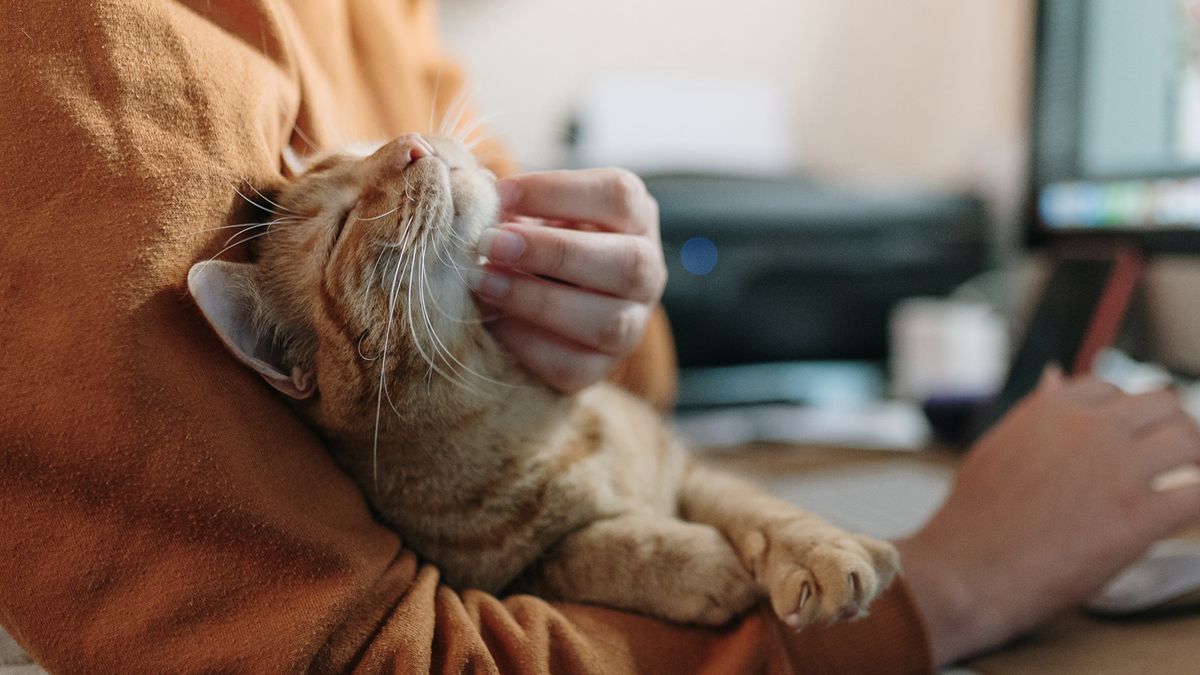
(162, 511)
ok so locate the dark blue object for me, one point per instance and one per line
(698, 255)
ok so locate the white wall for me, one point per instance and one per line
(926, 91)
(918, 91)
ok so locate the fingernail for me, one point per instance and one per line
(508, 191)
(488, 283)
(501, 245)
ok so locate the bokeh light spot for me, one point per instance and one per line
(698, 255)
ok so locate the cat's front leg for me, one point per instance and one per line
(651, 564)
(813, 571)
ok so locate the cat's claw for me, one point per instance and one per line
(826, 578)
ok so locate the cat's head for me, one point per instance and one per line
(358, 280)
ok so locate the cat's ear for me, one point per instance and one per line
(226, 293)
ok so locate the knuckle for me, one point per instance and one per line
(570, 375)
(640, 277)
(626, 191)
(530, 300)
(620, 332)
(561, 374)
(1187, 435)
(555, 253)
(1188, 438)
(1178, 423)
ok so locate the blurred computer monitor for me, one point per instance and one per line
(1115, 169)
(1116, 123)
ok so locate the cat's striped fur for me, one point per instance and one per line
(361, 312)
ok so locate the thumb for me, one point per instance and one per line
(1052, 377)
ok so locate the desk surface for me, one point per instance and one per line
(1073, 643)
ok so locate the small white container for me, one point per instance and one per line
(947, 349)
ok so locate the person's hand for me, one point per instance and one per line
(1049, 505)
(575, 268)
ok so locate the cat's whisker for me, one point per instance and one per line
(471, 127)
(460, 243)
(456, 108)
(462, 110)
(228, 227)
(252, 226)
(449, 244)
(458, 270)
(358, 347)
(383, 376)
(244, 230)
(398, 245)
(304, 137)
(269, 200)
(382, 215)
(438, 346)
(448, 353)
(369, 279)
(432, 298)
(486, 157)
(434, 342)
(416, 339)
(433, 100)
(399, 272)
(457, 237)
(408, 190)
(239, 243)
(256, 204)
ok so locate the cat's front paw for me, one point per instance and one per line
(709, 587)
(820, 574)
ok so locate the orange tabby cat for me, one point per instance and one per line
(356, 306)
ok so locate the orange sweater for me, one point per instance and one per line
(162, 511)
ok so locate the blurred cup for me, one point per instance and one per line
(947, 350)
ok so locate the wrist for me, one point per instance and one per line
(954, 611)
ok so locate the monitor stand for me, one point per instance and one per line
(1082, 305)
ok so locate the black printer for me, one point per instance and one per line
(785, 269)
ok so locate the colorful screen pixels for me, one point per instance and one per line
(1128, 204)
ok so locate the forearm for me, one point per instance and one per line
(953, 619)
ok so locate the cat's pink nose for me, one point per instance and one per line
(409, 148)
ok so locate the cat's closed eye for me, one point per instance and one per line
(341, 225)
